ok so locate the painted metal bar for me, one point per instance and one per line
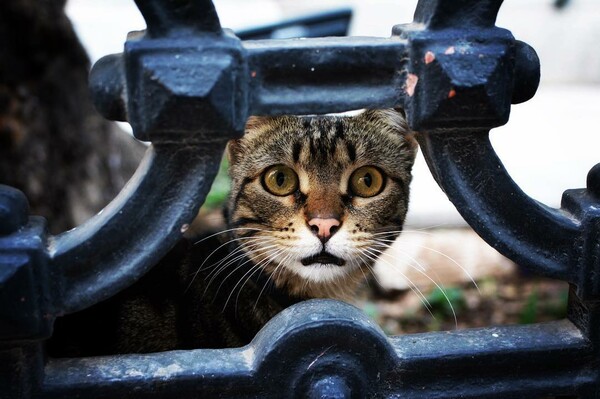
(302, 346)
(118, 245)
(533, 235)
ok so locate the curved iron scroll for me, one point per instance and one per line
(188, 86)
(169, 173)
(328, 349)
(528, 232)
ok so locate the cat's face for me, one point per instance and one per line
(314, 199)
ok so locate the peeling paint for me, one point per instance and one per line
(411, 82)
(429, 57)
(184, 228)
(248, 355)
(134, 373)
(318, 357)
(450, 50)
(168, 371)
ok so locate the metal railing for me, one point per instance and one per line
(188, 86)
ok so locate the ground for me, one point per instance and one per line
(511, 299)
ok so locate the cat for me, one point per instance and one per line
(313, 199)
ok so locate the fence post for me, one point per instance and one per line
(188, 86)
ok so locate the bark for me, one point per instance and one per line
(54, 146)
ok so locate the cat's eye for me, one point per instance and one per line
(367, 181)
(280, 180)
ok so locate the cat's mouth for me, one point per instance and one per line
(324, 258)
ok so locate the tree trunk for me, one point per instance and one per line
(54, 146)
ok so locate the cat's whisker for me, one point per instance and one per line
(279, 268)
(416, 265)
(434, 226)
(413, 287)
(378, 233)
(249, 273)
(233, 271)
(382, 243)
(238, 249)
(451, 260)
(250, 239)
(419, 267)
(226, 231)
(362, 257)
(269, 258)
(221, 265)
(269, 280)
(363, 272)
(239, 253)
(259, 269)
(238, 265)
(440, 287)
(280, 265)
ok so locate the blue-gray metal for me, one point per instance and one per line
(330, 23)
(188, 86)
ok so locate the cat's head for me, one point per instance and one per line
(315, 200)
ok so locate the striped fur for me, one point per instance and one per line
(323, 151)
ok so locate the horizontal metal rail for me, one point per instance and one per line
(292, 76)
(549, 358)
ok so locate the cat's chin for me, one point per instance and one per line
(319, 280)
(320, 272)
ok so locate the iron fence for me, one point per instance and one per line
(188, 86)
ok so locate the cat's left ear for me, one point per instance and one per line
(393, 120)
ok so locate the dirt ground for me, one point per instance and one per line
(511, 299)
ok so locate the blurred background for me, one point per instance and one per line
(439, 275)
(543, 144)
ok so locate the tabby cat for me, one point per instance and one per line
(312, 201)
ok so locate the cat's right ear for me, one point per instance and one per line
(256, 122)
(233, 150)
(253, 124)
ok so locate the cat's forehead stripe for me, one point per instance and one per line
(351, 149)
(324, 145)
(296, 149)
(339, 129)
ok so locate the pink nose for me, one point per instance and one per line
(324, 228)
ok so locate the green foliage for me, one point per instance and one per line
(529, 313)
(443, 300)
(220, 188)
(534, 308)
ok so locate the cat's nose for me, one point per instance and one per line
(324, 228)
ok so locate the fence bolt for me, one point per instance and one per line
(14, 210)
(527, 73)
(593, 180)
(330, 387)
